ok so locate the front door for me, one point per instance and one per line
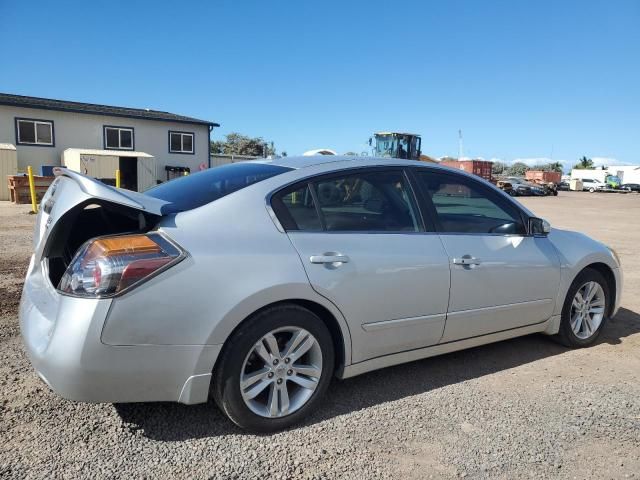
(129, 173)
(363, 246)
(501, 278)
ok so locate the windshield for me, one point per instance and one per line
(396, 146)
(192, 191)
(385, 146)
(613, 179)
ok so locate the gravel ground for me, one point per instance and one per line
(524, 408)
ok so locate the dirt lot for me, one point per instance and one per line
(525, 408)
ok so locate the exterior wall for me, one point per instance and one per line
(102, 166)
(78, 130)
(218, 159)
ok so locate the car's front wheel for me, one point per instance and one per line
(274, 369)
(585, 309)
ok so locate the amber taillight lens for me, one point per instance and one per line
(107, 266)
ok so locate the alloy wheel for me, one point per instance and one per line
(587, 310)
(281, 372)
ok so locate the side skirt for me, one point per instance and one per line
(409, 356)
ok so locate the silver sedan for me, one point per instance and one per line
(255, 283)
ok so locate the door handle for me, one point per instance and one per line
(332, 258)
(466, 260)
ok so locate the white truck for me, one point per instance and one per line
(627, 173)
(598, 176)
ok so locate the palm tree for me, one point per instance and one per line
(556, 167)
(584, 163)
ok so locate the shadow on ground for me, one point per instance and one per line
(176, 422)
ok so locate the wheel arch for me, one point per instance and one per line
(606, 271)
(341, 339)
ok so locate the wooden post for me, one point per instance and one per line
(32, 190)
(118, 178)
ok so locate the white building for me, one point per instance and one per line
(43, 129)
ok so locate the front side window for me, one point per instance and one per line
(118, 138)
(34, 132)
(463, 205)
(180, 142)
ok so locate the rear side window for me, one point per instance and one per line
(360, 202)
(463, 205)
(296, 209)
(192, 191)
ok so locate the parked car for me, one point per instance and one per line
(522, 188)
(257, 282)
(591, 185)
(505, 186)
(630, 187)
(564, 186)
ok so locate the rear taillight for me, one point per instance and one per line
(107, 266)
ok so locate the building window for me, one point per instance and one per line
(34, 132)
(180, 142)
(118, 138)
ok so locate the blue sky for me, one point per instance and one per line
(522, 79)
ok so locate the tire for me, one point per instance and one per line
(240, 358)
(566, 335)
(592, 190)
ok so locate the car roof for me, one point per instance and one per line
(314, 160)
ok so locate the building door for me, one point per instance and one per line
(129, 173)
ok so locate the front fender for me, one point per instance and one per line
(577, 251)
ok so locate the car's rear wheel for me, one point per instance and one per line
(274, 369)
(585, 309)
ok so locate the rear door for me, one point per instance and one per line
(501, 277)
(363, 247)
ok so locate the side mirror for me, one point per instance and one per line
(539, 227)
(370, 141)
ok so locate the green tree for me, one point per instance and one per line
(556, 167)
(548, 167)
(238, 144)
(517, 169)
(584, 163)
(499, 168)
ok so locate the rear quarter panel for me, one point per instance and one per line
(238, 263)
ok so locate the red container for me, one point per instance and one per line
(481, 168)
(542, 176)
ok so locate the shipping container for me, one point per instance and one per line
(481, 168)
(543, 176)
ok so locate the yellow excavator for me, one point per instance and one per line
(396, 145)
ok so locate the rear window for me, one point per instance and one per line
(193, 191)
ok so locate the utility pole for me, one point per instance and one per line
(460, 145)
